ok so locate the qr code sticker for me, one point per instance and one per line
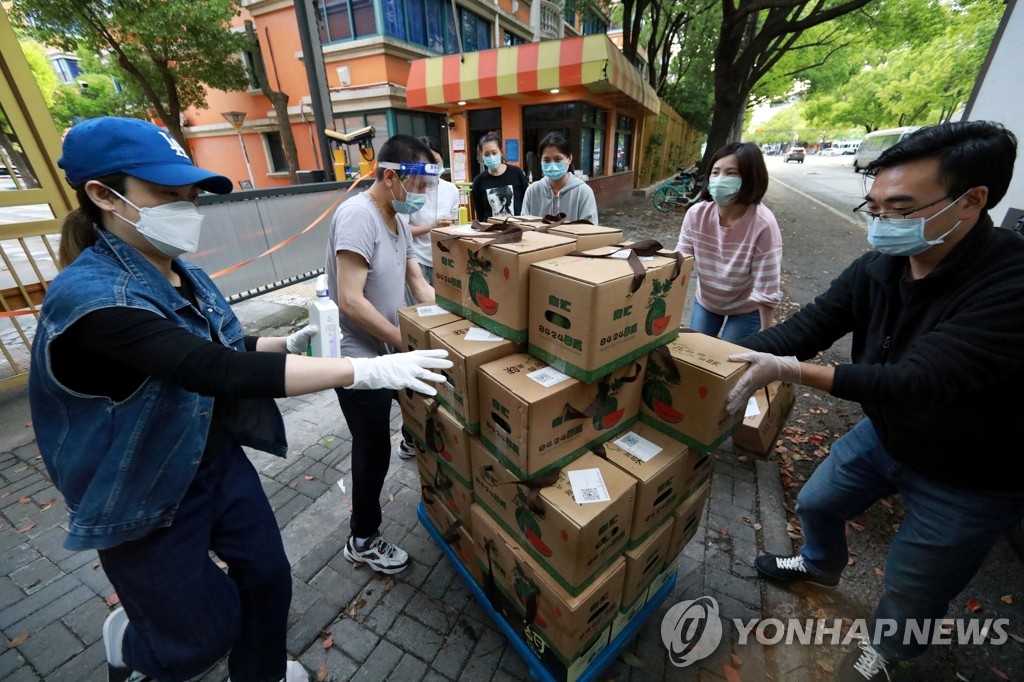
(589, 495)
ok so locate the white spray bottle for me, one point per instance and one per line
(323, 313)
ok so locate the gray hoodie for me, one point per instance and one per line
(576, 200)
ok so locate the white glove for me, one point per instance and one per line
(400, 370)
(764, 369)
(299, 341)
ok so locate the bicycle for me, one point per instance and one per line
(681, 191)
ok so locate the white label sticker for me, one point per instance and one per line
(588, 486)
(638, 446)
(429, 310)
(752, 408)
(547, 376)
(479, 334)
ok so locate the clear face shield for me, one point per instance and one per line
(420, 181)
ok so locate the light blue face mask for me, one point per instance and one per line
(413, 202)
(724, 188)
(905, 237)
(555, 169)
(493, 161)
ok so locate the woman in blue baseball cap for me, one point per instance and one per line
(143, 391)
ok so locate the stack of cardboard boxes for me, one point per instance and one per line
(567, 478)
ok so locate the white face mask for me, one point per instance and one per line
(172, 228)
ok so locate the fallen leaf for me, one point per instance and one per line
(49, 503)
(5, 494)
(329, 641)
(1006, 599)
(1016, 638)
(816, 439)
(113, 599)
(308, 478)
(746, 519)
(221, 564)
(391, 497)
(730, 673)
(25, 529)
(973, 605)
(322, 673)
(737, 662)
(724, 531)
(389, 585)
(851, 560)
(742, 458)
(17, 641)
(962, 678)
(95, 565)
(328, 441)
(825, 665)
(998, 673)
(757, 526)
(856, 526)
(25, 500)
(879, 572)
(632, 660)
(28, 425)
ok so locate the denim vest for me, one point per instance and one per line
(123, 467)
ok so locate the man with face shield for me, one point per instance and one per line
(369, 257)
(937, 316)
(143, 391)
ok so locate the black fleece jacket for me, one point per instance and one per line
(938, 363)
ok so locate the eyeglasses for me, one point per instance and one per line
(896, 215)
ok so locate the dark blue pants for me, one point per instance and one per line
(940, 545)
(184, 612)
(368, 414)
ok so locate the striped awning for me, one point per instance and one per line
(589, 62)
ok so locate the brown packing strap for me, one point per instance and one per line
(502, 234)
(570, 412)
(450, 535)
(553, 220)
(663, 354)
(432, 426)
(533, 487)
(491, 592)
(646, 247)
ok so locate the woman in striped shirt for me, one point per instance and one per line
(736, 245)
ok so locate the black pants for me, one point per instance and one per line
(368, 413)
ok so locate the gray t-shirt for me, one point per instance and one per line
(359, 227)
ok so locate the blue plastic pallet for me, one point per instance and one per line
(537, 669)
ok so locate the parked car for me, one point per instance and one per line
(795, 154)
(877, 142)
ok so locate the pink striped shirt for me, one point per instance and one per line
(739, 267)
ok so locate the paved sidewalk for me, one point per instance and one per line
(418, 625)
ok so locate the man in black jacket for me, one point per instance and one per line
(937, 316)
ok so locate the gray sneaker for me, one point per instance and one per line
(406, 450)
(378, 553)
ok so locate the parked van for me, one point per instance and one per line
(877, 142)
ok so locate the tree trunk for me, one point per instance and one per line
(278, 99)
(730, 107)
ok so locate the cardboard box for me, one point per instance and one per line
(574, 542)
(686, 521)
(585, 318)
(455, 534)
(587, 236)
(662, 467)
(459, 392)
(646, 561)
(489, 283)
(440, 484)
(686, 396)
(759, 432)
(627, 613)
(447, 438)
(535, 419)
(416, 409)
(568, 624)
(662, 578)
(416, 321)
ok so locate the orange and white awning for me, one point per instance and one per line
(589, 62)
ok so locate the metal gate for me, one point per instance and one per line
(33, 201)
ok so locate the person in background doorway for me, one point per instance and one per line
(559, 191)
(498, 190)
(143, 391)
(369, 255)
(441, 210)
(736, 245)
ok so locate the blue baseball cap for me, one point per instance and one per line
(107, 145)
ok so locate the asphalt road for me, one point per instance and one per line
(830, 180)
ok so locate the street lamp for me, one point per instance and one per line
(236, 119)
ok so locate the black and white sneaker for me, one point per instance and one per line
(793, 569)
(113, 638)
(378, 553)
(406, 450)
(864, 664)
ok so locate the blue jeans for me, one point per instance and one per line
(184, 612)
(940, 545)
(736, 326)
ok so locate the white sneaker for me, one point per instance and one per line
(293, 672)
(378, 553)
(406, 450)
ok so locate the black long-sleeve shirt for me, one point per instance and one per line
(938, 363)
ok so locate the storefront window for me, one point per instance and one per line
(511, 40)
(583, 125)
(345, 19)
